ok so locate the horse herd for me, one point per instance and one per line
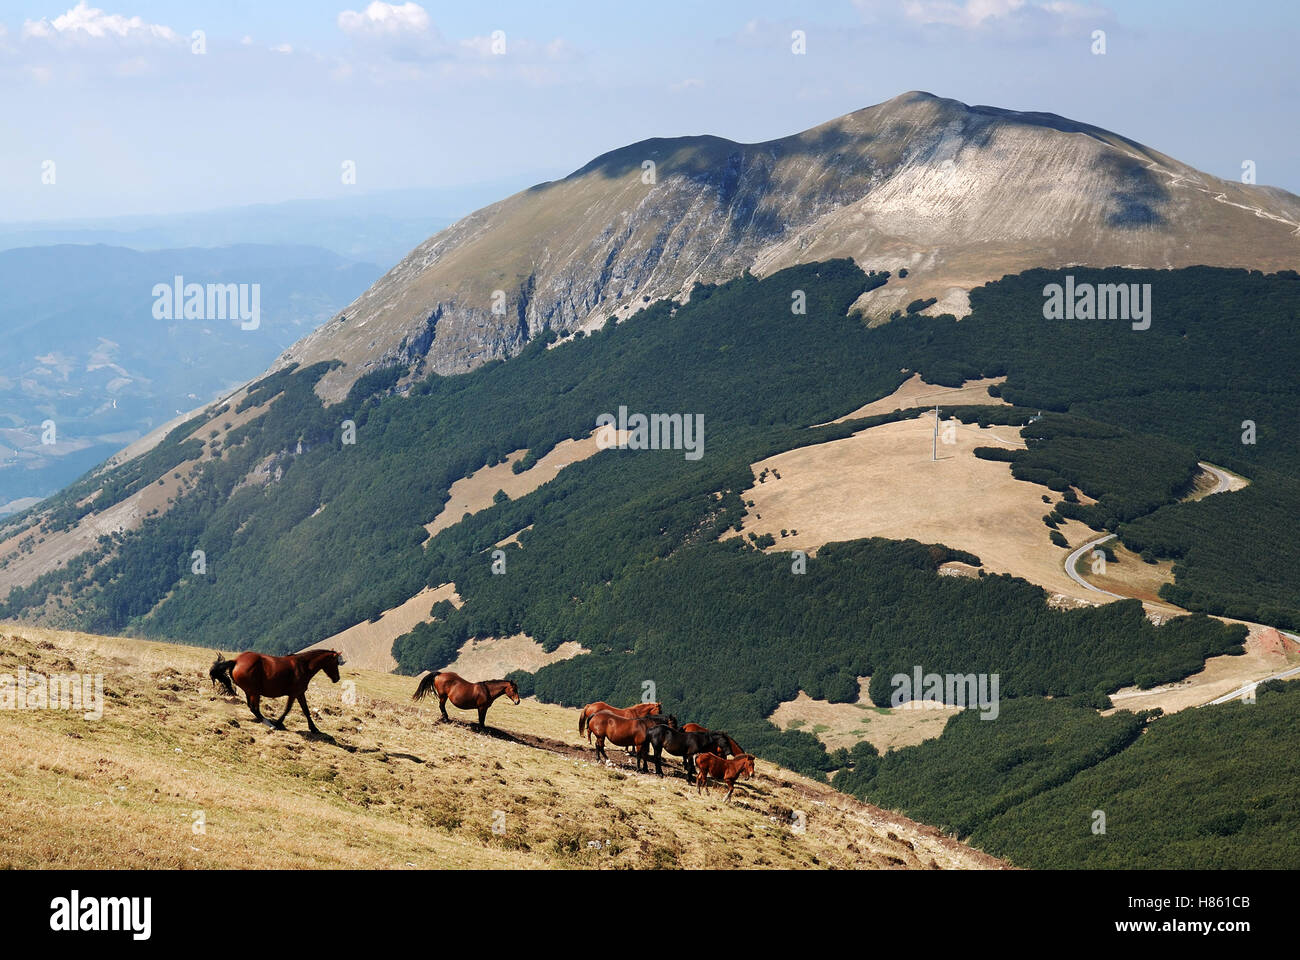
(640, 728)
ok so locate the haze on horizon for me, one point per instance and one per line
(135, 121)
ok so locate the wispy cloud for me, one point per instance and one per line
(87, 24)
(979, 15)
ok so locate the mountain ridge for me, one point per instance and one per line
(959, 195)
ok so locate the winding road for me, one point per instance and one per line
(1072, 560)
(1224, 485)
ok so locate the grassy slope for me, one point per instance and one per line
(388, 787)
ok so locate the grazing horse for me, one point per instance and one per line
(465, 694)
(627, 713)
(725, 770)
(259, 675)
(732, 747)
(624, 732)
(683, 744)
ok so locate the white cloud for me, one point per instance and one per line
(385, 19)
(972, 13)
(86, 23)
(282, 48)
(978, 14)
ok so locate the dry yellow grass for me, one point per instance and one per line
(386, 786)
(881, 482)
(1130, 576)
(917, 393)
(1266, 653)
(845, 724)
(494, 657)
(475, 492)
(369, 645)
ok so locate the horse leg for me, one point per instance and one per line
(255, 704)
(442, 705)
(482, 716)
(600, 745)
(731, 786)
(659, 764)
(302, 702)
(288, 705)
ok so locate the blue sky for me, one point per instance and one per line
(135, 122)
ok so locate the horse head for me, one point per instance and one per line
(331, 666)
(512, 691)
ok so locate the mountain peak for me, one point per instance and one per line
(957, 194)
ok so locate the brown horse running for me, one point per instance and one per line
(259, 675)
(624, 732)
(732, 747)
(627, 713)
(727, 771)
(465, 694)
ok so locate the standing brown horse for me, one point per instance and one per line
(725, 770)
(732, 747)
(259, 675)
(624, 732)
(627, 713)
(465, 694)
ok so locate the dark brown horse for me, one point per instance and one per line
(732, 747)
(259, 675)
(627, 713)
(465, 694)
(725, 770)
(683, 744)
(624, 732)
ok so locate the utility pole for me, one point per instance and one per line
(934, 447)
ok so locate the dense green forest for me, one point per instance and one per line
(624, 552)
(747, 634)
(1142, 406)
(1203, 788)
(1214, 373)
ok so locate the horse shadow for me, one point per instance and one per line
(493, 732)
(322, 737)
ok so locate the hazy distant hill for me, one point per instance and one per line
(82, 348)
(372, 227)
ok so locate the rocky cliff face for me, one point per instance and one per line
(956, 194)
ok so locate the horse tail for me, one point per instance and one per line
(424, 687)
(220, 673)
(582, 721)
